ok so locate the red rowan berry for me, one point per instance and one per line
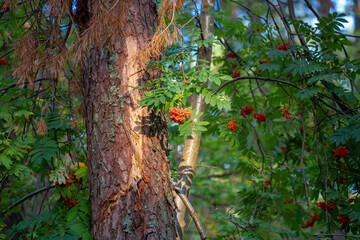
(178, 115)
(267, 183)
(232, 125)
(344, 219)
(340, 152)
(341, 179)
(290, 200)
(310, 223)
(323, 205)
(3, 62)
(236, 74)
(231, 55)
(285, 112)
(260, 117)
(246, 110)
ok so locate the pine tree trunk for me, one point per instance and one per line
(130, 186)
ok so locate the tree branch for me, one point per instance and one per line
(258, 78)
(192, 214)
(30, 195)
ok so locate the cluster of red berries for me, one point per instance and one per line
(323, 205)
(257, 71)
(344, 219)
(246, 110)
(70, 202)
(285, 112)
(236, 74)
(260, 117)
(340, 152)
(310, 223)
(178, 115)
(290, 200)
(264, 61)
(3, 62)
(230, 55)
(232, 125)
(72, 179)
(283, 47)
(341, 179)
(283, 148)
(267, 183)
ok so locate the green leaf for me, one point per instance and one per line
(307, 93)
(270, 66)
(5, 161)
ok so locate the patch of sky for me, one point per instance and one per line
(340, 6)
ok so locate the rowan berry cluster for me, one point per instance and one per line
(231, 55)
(341, 179)
(232, 125)
(285, 112)
(267, 183)
(257, 71)
(323, 205)
(3, 62)
(72, 179)
(310, 223)
(236, 74)
(246, 110)
(344, 219)
(290, 200)
(340, 152)
(70, 202)
(260, 117)
(283, 47)
(178, 115)
(264, 61)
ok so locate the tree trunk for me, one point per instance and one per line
(129, 175)
(187, 164)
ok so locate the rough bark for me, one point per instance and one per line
(130, 186)
(192, 143)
